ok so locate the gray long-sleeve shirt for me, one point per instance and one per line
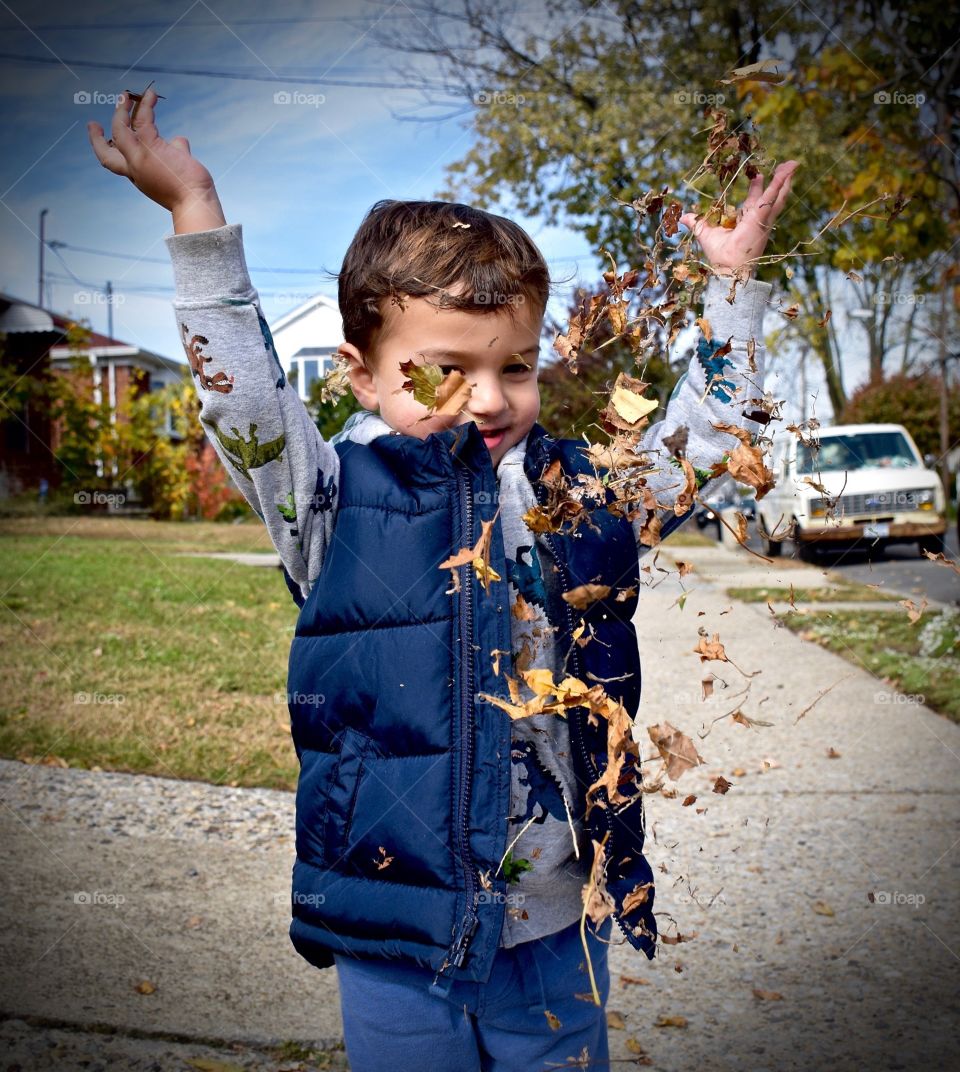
(289, 474)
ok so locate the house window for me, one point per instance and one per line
(310, 364)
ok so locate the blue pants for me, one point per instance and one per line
(392, 1023)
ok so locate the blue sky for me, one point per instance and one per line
(299, 176)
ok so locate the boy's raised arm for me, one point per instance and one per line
(255, 420)
(713, 390)
(718, 386)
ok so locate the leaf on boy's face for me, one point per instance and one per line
(443, 395)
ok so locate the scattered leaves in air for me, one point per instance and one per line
(721, 785)
(552, 1020)
(676, 749)
(767, 995)
(584, 595)
(823, 909)
(145, 987)
(477, 556)
(914, 610)
(765, 71)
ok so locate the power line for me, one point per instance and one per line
(165, 24)
(243, 76)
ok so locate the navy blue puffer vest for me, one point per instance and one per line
(403, 794)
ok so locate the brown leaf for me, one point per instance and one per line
(767, 995)
(615, 1020)
(688, 800)
(721, 785)
(583, 595)
(145, 987)
(822, 908)
(677, 750)
(552, 1020)
(670, 1021)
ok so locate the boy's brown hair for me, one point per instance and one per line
(419, 248)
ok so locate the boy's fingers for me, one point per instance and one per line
(143, 123)
(112, 159)
(778, 191)
(123, 137)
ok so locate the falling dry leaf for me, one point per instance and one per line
(145, 987)
(822, 908)
(676, 749)
(670, 1021)
(583, 595)
(552, 1020)
(767, 995)
(615, 1020)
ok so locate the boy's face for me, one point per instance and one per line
(504, 399)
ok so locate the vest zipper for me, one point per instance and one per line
(577, 668)
(468, 925)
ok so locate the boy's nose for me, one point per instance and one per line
(486, 398)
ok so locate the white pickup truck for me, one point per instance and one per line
(852, 483)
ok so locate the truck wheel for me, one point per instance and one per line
(771, 548)
(806, 552)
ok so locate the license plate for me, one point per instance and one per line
(877, 531)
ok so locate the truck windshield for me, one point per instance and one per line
(864, 450)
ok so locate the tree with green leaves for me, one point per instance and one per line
(577, 115)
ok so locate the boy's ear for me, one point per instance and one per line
(361, 378)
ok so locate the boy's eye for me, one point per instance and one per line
(516, 368)
(446, 369)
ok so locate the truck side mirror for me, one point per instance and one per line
(930, 461)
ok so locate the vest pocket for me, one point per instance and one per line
(341, 800)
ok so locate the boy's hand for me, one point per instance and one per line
(163, 170)
(727, 249)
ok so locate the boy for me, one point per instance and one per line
(442, 846)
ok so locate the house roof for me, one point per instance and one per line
(24, 316)
(318, 301)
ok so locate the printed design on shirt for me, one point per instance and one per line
(542, 787)
(271, 349)
(288, 511)
(249, 453)
(193, 346)
(527, 579)
(323, 493)
(714, 361)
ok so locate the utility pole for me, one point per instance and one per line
(109, 309)
(944, 413)
(43, 213)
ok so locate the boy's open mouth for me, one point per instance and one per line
(493, 436)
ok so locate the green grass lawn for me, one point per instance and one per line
(120, 654)
(847, 593)
(918, 660)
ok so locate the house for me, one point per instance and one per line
(306, 340)
(35, 346)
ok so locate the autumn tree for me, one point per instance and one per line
(576, 115)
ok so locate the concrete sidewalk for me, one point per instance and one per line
(824, 881)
